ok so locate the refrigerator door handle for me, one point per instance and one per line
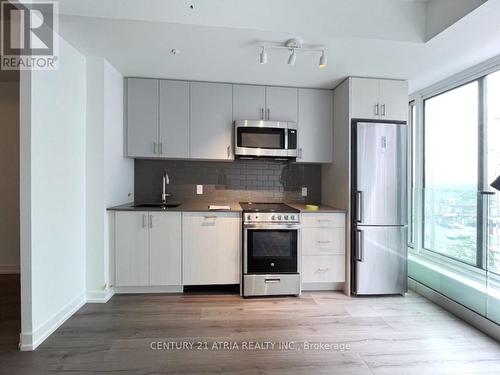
(359, 206)
(359, 245)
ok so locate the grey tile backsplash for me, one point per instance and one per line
(236, 181)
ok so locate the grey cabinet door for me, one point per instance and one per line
(142, 117)
(315, 126)
(281, 103)
(249, 102)
(211, 121)
(174, 119)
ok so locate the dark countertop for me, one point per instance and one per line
(322, 208)
(203, 207)
(186, 206)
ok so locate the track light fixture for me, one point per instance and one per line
(263, 55)
(294, 45)
(292, 58)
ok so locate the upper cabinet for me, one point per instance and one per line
(211, 120)
(264, 103)
(249, 102)
(281, 104)
(157, 118)
(174, 119)
(379, 99)
(315, 126)
(142, 117)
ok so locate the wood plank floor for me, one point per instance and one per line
(390, 335)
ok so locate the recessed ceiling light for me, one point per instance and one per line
(174, 51)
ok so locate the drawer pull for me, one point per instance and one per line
(324, 241)
(324, 220)
(272, 281)
(323, 269)
(210, 217)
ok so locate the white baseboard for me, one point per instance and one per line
(148, 289)
(31, 340)
(9, 268)
(322, 286)
(99, 296)
(480, 322)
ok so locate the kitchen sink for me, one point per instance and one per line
(156, 205)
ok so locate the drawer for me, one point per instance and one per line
(323, 241)
(329, 268)
(309, 220)
(271, 285)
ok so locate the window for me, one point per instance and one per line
(451, 173)
(412, 159)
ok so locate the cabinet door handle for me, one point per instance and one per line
(262, 113)
(376, 109)
(359, 206)
(300, 153)
(160, 148)
(210, 217)
(151, 221)
(324, 241)
(155, 148)
(272, 281)
(268, 113)
(229, 152)
(323, 269)
(383, 109)
(324, 220)
(144, 225)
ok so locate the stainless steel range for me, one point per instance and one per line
(271, 250)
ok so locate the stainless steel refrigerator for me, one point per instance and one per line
(379, 214)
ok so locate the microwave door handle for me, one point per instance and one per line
(286, 139)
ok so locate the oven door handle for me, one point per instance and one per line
(267, 226)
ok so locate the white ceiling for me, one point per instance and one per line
(219, 39)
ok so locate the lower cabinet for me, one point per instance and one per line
(211, 248)
(323, 250)
(148, 249)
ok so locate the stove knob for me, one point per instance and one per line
(286, 217)
(279, 217)
(249, 217)
(272, 217)
(292, 217)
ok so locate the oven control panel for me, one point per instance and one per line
(271, 217)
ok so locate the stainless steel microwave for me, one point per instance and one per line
(272, 139)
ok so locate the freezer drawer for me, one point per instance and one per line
(271, 284)
(380, 260)
(380, 174)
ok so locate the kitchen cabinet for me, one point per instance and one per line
(315, 135)
(147, 249)
(379, 99)
(211, 111)
(265, 103)
(211, 248)
(174, 119)
(323, 250)
(249, 102)
(281, 103)
(142, 117)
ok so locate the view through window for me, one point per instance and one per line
(451, 173)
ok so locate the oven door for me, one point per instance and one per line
(261, 138)
(270, 249)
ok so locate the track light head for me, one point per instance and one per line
(292, 58)
(322, 60)
(263, 56)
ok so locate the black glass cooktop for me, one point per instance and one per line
(266, 207)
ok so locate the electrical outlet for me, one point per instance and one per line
(304, 191)
(199, 189)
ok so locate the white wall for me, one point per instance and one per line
(9, 170)
(110, 176)
(53, 195)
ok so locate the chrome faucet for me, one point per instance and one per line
(165, 182)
